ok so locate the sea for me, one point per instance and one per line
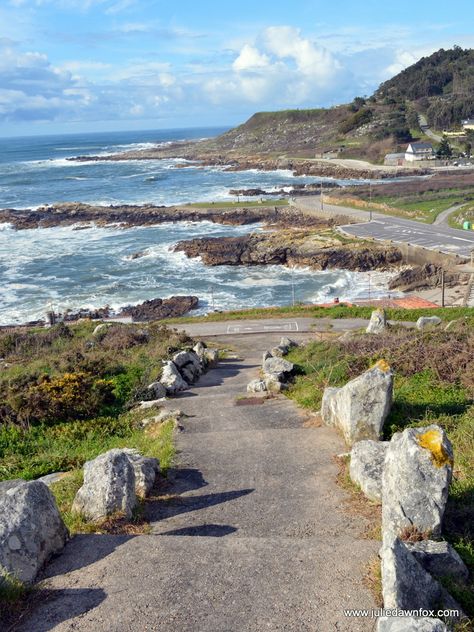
(89, 267)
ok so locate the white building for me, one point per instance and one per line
(419, 151)
(468, 124)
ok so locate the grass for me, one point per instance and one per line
(425, 210)
(240, 203)
(159, 445)
(337, 312)
(434, 384)
(466, 212)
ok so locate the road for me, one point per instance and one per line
(433, 237)
(284, 326)
(426, 130)
(440, 238)
(252, 534)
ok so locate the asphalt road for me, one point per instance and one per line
(433, 237)
(440, 238)
(283, 326)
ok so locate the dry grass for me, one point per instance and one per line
(372, 580)
(357, 504)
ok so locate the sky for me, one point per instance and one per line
(99, 65)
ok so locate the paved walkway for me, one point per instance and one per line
(254, 537)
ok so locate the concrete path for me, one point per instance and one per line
(442, 218)
(254, 536)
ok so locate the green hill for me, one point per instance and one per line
(441, 86)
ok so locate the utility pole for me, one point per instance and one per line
(293, 285)
(370, 200)
(442, 288)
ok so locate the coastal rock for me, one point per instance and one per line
(410, 624)
(438, 558)
(158, 309)
(428, 321)
(378, 322)
(359, 408)
(415, 481)
(366, 467)
(426, 276)
(285, 248)
(31, 528)
(172, 379)
(278, 352)
(109, 487)
(278, 369)
(266, 354)
(146, 470)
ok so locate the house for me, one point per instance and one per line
(419, 151)
(394, 160)
(468, 124)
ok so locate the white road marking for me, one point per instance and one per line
(236, 329)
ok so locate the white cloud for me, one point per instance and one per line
(281, 66)
(250, 58)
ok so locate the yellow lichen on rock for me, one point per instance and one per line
(383, 365)
(432, 440)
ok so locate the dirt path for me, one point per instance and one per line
(254, 537)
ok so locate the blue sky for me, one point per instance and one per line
(90, 65)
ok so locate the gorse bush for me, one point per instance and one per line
(67, 373)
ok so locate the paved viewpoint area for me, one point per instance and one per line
(431, 236)
(255, 534)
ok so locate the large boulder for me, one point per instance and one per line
(359, 408)
(184, 358)
(156, 390)
(31, 528)
(328, 405)
(439, 558)
(378, 322)
(425, 322)
(366, 467)
(109, 487)
(256, 386)
(145, 468)
(410, 624)
(405, 583)
(288, 343)
(415, 481)
(211, 356)
(277, 368)
(172, 379)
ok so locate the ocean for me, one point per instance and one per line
(67, 268)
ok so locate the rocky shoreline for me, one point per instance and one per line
(293, 248)
(126, 215)
(239, 161)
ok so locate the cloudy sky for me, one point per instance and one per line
(89, 65)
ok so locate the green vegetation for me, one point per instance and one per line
(338, 311)
(442, 84)
(465, 213)
(66, 394)
(265, 202)
(434, 383)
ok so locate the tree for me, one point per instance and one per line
(444, 149)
